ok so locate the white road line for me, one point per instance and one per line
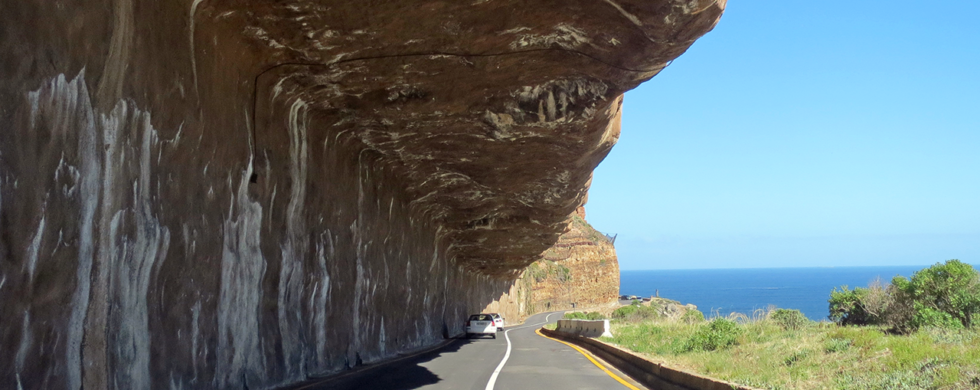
(493, 377)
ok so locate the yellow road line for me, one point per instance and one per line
(614, 376)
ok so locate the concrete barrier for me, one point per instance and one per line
(587, 328)
(650, 374)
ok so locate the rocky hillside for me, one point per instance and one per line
(580, 269)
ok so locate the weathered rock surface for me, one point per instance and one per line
(579, 271)
(669, 308)
(221, 194)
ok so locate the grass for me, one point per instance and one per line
(770, 355)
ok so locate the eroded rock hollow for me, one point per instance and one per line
(220, 194)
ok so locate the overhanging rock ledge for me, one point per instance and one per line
(221, 194)
(491, 114)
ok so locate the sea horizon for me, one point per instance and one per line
(805, 267)
(721, 291)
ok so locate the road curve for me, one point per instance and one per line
(535, 362)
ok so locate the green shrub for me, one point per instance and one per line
(577, 315)
(634, 313)
(536, 272)
(574, 315)
(594, 316)
(944, 295)
(561, 272)
(692, 316)
(926, 316)
(789, 319)
(846, 307)
(624, 311)
(717, 334)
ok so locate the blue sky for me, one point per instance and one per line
(800, 134)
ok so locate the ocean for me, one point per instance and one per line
(723, 291)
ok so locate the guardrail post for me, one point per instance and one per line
(605, 329)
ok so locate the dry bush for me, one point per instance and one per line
(739, 318)
(763, 314)
(901, 310)
(877, 300)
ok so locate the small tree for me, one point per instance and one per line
(717, 334)
(692, 316)
(943, 294)
(789, 319)
(846, 307)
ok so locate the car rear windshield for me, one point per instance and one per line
(480, 317)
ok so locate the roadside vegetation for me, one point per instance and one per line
(916, 333)
(577, 315)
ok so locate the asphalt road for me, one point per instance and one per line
(534, 362)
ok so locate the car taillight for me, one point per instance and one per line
(467, 322)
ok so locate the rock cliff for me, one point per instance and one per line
(579, 271)
(244, 194)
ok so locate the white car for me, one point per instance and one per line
(498, 320)
(481, 324)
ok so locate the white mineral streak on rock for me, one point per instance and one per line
(435, 256)
(34, 248)
(631, 17)
(427, 319)
(277, 88)
(272, 200)
(260, 34)
(138, 254)
(242, 269)
(321, 297)
(293, 249)
(180, 131)
(113, 128)
(120, 45)
(565, 36)
(408, 279)
(65, 107)
(693, 7)
(551, 106)
(360, 284)
(445, 285)
(174, 385)
(185, 233)
(514, 30)
(382, 342)
(25, 344)
(195, 334)
(190, 37)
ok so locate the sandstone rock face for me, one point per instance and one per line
(579, 271)
(229, 194)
